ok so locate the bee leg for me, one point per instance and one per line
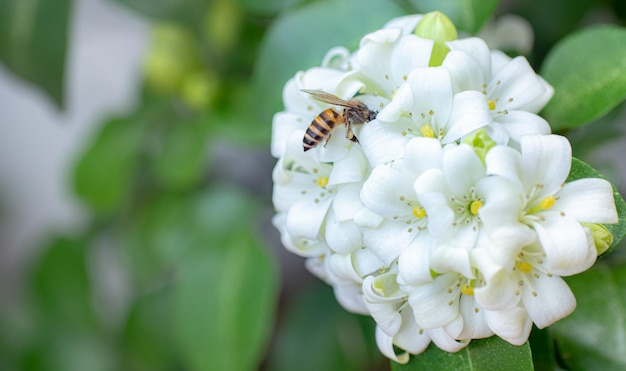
(327, 139)
(350, 134)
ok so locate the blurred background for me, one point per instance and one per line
(135, 177)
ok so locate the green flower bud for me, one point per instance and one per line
(438, 27)
(601, 236)
(481, 142)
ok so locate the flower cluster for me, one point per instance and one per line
(449, 218)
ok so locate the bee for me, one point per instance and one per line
(354, 113)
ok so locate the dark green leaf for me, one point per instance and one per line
(300, 39)
(581, 170)
(592, 338)
(542, 348)
(103, 174)
(467, 15)
(224, 305)
(33, 42)
(185, 11)
(587, 72)
(484, 354)
(317, 334)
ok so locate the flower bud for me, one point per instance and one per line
(601, 236)
(438, 27)
(480, 142)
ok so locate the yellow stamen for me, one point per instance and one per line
(468, 289)
(419, 212)
(492, 104)
(475, 206)
(322, 181)
(524, 267)
(427, 131)
(547, 202)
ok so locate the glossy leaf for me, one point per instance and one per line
(587, 72)
(484, 354)
(186, 11)
(581, 170)
(592, 338)
(336, 340)
(34, 42)
(300, 39)
(467, 15)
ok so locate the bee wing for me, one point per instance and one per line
(325, 97)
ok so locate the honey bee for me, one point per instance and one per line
(354, 113)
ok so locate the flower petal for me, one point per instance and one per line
(305, 218)
(520, 123)
(351, 298)
(444, 341)
(389, 240)
(513, 324)
(464, 71)
(386, 192)
(474, 324)
(385, 345)
(409, 337)
(470, 112)
(546, 160)
(431, 301)
(462, 169)
(516, 85)
(414, 262)
(342, 237)
(422, 154)
(588, 200)
(478, 50)
(365, 262)
(382, 142)
(547, 300)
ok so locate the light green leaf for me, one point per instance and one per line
(587, 72)
(336, 340)
(467, 15)
(33, 42)
(103, 174)
(300, 39)
(224, 305)
(581, 170)
(491, 354)
(592, 338)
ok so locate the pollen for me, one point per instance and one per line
(492, 104)
(524, 267)
(467, 289)
(419, 212)
(547, 202)
(427, 131)
(322, 181)
(475, 206)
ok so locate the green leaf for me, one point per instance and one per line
(182, 158)
(467, 15)
(484, 354)
(300, 39)
(33, 42)
(336, 340)
(61, 285)
(587, 72)
(592, 338)
(542, 348)
(103, 174)
(224, 304)
(267, 7)
(185, 11)
(581, 170)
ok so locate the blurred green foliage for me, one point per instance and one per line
(198, 286)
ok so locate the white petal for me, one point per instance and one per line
(351, 298)
(506, 162)
(283, 124)
(462, 169)
(365, 262)
(553, 300)
(588, 200)
(387, 191)
(347, 202)
(342, 237)
(341, 271)
(430, 302)
(474, 325)
(432, 93)
(513, 324)
(305, 218)
(422, 154)
(409, 53)
(389, 240)
(385, 345)
(440, 216)
(546, 160)
(498, 293)
(564, 242)
(452, 255)
(401, 103)
(383, 142)
(414, 262)
(516, 85)
(464, 71)
(469, 112)
(444, 341)
(366, 218)
(520, 123)
(537, 105)
(409, 337)
(478, 50)
(406, 23)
